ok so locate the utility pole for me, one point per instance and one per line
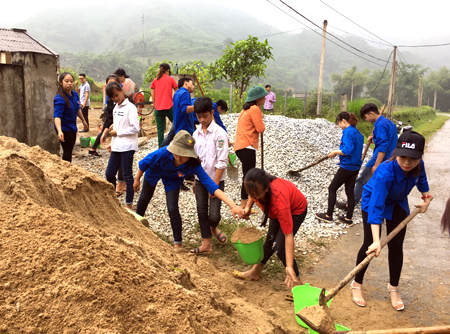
(332, 103)
(434, 104)
(351, 95)
(390, 108)
(304, 106)
(322, 59)
(419, 96)
(143, 43)
(285, 101)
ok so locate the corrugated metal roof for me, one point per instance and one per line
(18, 40)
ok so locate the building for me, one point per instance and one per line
(28, 84)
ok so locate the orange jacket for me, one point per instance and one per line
(250, 124)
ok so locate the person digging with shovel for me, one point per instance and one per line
(385, 196)
(349, 152)
(286, 207)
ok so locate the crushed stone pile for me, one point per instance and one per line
(73, 260)
(289, 144)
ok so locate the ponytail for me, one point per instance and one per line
(160, 73)
(349, 117)
(257, 179)
(247, 105)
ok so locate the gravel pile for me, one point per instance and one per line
(289, 144)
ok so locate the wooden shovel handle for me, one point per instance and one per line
(325, 157)
(198, 84)
(369, 257)
(262, 151)
(419, 330)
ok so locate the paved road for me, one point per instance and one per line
(425, 281)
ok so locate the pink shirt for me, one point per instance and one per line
(269, 105)
(163, 92)
(212, 149)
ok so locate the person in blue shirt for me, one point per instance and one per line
(219, 107)
(183, 116)
(385, 138)
(66, 109)
(385, 196)
(350, 150)
(172, 164)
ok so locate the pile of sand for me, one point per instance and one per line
(73, 260)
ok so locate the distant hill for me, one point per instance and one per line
(190, 31)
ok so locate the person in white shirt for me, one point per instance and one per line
(211, 145)
(85, 99)
(124, 143)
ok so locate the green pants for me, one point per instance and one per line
(160, 116)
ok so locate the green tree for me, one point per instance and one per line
(439, 81)
(241, 61)
(343, 84)
(203, 75)
(152, 71)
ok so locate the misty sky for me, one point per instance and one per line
(398, 22)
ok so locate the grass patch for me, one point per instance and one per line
(429, 128)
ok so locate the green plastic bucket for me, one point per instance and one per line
(93, 139)
(232, 158)
(337, 326)
(84, 141)
(252, 253)
(305, 296)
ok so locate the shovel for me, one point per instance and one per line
(319, 315)
(418, 330)
(293, 172)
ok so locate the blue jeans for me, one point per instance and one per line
(362, 179)
(207, 220)
(172, 206)
(124, 159)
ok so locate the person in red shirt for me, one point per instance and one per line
(162, 87)
(286, 207)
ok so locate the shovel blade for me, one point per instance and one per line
(318, 319)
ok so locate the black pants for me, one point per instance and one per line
(349, 178)
(395, 246)
(68, 144)
(248, 159)
(276, 242)
(208, 209)
(169, 137)
(85, 112)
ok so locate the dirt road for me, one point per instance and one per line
(425, 281)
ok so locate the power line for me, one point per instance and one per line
(330, 33)
(382, 75)
(422, 46)
(366, 39)
(326, 38)
(355, 23)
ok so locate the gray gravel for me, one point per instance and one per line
(289, 144)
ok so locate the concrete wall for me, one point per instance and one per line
(12, 106)
(40, 86)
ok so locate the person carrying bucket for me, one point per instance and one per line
(286, 206)
(385, 196)
(349, 152)
(250, 124)
(172, 164)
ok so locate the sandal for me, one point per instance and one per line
(222, 238)
(238, 274)
(289, 297)
(94, 153)
(399, 306)
(197, 251)
(119, 193)
(356, 301)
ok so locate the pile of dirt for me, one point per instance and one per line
(73, 260)
(246, 235)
